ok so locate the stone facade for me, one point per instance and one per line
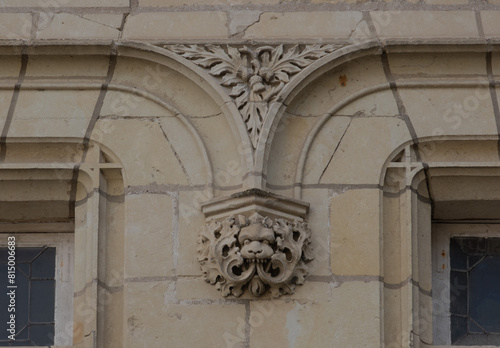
(338, 134)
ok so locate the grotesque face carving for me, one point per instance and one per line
(256, 240)
(254, 253)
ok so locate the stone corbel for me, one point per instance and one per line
(256, 241)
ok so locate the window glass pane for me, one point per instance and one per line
(27, 254)
(484, 299)
(42, 301)
(458, 258)
(475, 291)
(458, 292)
(44, 265)
(458, 327)
(22, 333)
(22, 298)
(42, 335)
(34, 296)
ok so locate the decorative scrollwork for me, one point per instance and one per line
(254, 75)
(255, 253)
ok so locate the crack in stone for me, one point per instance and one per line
(93, 21)
(45, 19)
(184, 170)
(239, 21)
(334, 151)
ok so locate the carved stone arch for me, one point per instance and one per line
(371, 88)
(165, 56)
(302, 82)
(237, 150)
(210, 97)
(49, 194)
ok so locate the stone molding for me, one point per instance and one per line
(255, 201)
(241, 249)
(253, 76)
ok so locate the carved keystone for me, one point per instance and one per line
(241, 249)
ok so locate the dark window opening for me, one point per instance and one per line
(475, 291)
(34, 297)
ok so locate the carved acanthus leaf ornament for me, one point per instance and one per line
(255, 76)
(255, 253)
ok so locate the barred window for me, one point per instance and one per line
(475, 291)
(34, 296)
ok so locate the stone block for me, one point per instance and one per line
(339, 1)
(224, 150)
(5, 99)
(172, 25)
(196, 289)
(323, 147)
(304, 25)
(53, 113)
(147, 302)
(191, 219)
(190, 152)
(425, 24)
(70, 26)
(365, 147)
(132, 141)
(15, 25)
(459, 151)
(185, 3)
(380, 103)
(111, 320)
(392, 235)
(65, 3)
(125, 104)
(446, 2)
(424, 65)
(445, 111)
(286, 150)
(319, 212)
(318, 323)
(11, 66)
(67, 66)
(495, 62)
(334, 86)
(355, 239)
(170, 86)
(112, 243)
(491, 23)
(148, 235)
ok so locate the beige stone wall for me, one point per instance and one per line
(124, 140)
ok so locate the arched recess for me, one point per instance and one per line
(374, 82)
(50, 197)
(127, 132)
(286, 127)
(130, 81)
(419, 106)
(205, 104)
(433, 192)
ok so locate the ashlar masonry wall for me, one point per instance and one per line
(148, 120)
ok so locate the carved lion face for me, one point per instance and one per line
(256, 242)
(254, 253)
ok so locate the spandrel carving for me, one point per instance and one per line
(257, 254)
(253, 76)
